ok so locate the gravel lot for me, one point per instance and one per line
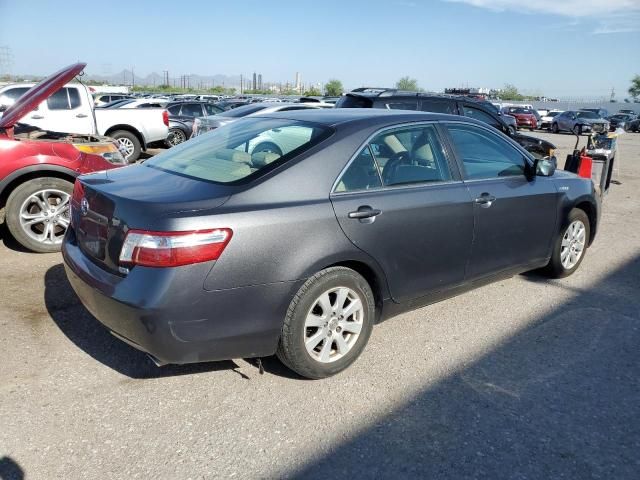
(524, 378)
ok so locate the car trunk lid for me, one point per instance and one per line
(107, 204)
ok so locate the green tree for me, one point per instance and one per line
(634, 89)
(312, 92)
(510, 92)
(408, 84)
(333, 88)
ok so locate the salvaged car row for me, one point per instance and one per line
(330, 218)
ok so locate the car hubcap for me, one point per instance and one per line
(126, 146)
(573, 244)
(44, 216)
(333, 324)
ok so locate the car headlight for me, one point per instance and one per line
(109, 151)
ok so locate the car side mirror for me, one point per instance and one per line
(3, 107)
(546, 167)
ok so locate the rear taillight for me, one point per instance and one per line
(172, 249)
(165, 117)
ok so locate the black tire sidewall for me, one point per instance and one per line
(292, 351)
(15, 201)
(555, 268)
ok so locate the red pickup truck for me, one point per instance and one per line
(38, 168)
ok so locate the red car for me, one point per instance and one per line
(38, 168)
(524, 117)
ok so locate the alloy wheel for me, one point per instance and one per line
(44, 216)
(573, 244)
(126, 146)
(333, 324)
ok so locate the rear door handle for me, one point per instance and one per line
(37, 117)
(81, 115)
(485, 200)
(365, 214)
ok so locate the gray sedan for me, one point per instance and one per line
(209, 252)
(581, 121)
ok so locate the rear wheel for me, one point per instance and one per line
(554, 128)
(512, 130)
(129, 145)
(576, 130)
(37, 213)
(570, 246)
(328, 323)
(175, 137)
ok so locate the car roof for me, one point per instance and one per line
(337, 116)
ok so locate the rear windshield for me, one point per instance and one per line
(354, 101)
(243, 111)
(240, 151)
(518, 110)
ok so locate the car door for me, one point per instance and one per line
(515, 215)
(68, 110)
(400, 201)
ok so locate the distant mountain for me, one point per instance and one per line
(194, 81)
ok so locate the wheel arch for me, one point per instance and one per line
(18, 177)
(591, 213)
(374, 277)
(130, 129)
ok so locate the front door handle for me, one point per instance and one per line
(81, 115)
(485, 200)
(37, 117)
(365, 214)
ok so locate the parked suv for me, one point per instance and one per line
(482, 110)
(182, 116)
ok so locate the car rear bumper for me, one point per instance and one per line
(177, 321)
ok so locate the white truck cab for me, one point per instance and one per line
(71, 110)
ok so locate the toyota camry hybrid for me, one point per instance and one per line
(209, 251)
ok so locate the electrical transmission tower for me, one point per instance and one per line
(6, 60)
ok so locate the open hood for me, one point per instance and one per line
(38, 93)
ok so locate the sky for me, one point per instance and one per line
(561, 48)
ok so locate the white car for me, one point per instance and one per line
(547, 120)
(71, 109)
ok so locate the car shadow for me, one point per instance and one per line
(10, 470)
(7, 239)
(75, 321)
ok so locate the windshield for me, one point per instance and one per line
(243, 111)
(553, 114)
(241, 150)
(586, 115)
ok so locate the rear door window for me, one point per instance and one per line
(191, 110)
(438, 106)
(64, 99)
(362, 174)
(478, 114)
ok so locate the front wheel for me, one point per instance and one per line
(512, 130)
(570, 246)
(554, 128)
(37, 213)
(328, 323)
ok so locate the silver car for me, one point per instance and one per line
(581, 121)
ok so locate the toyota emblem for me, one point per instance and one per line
(84, 206)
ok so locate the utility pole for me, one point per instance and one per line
(133, 79)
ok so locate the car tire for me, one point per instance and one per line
(175, 137)
(569, 237)
(512, 130)
(554, 128)
(26, 200)
(129, 142)
(318, 315)
(576, 130)
(268, 147)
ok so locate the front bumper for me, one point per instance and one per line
(167, 314)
